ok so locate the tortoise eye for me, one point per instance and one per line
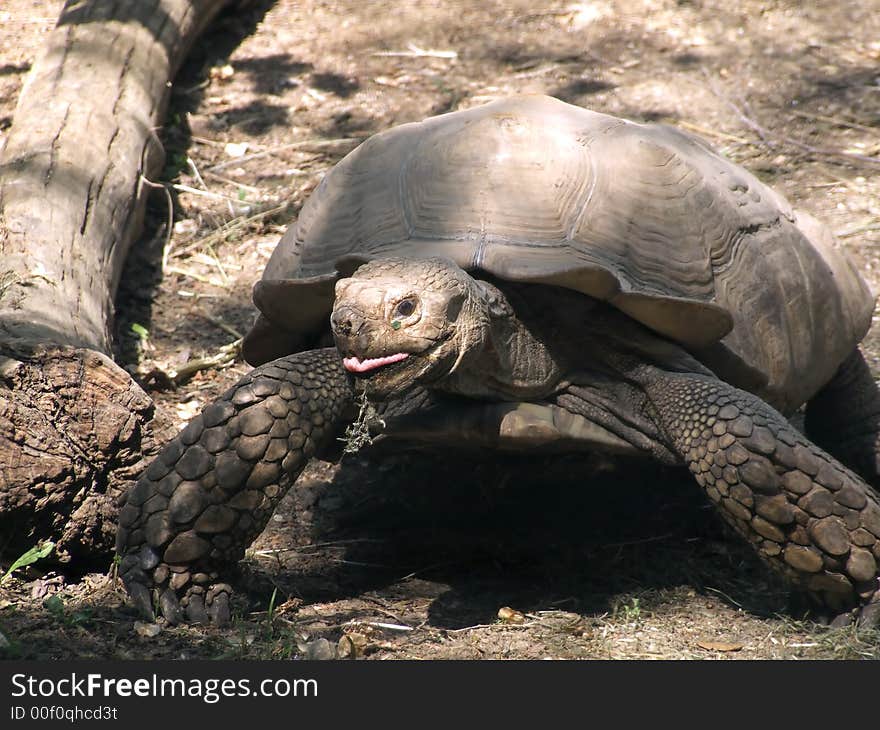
(405, 307)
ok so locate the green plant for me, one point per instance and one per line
(55, 606)
(36, 553)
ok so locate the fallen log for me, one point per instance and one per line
(74, 178)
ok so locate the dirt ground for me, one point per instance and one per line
(459, 556)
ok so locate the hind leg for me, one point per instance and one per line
(844, 418)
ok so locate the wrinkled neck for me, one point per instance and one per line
(505, 352)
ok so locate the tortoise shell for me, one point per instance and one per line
(644, 216)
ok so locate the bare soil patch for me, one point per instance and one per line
(414, 555)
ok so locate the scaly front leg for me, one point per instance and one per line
(805, 513)
(211, 490)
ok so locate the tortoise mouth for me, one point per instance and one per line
(369, 365)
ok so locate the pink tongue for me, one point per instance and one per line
(354, 365)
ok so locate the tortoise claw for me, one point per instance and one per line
(170, 607)
(869, 615)
(195, 610)
(140, 595)
(218, 604)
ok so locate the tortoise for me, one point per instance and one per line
(530, 274)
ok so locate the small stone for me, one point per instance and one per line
(201, 579)
(765, 529)
(802, 558)
(861, 565)
(186, 502)
(799, 535)
(216, 518)
(830, 535)
(186, 547)
(217, 413)
(194, 463)
(147, 631)
(818, 502)
(319, 650)
(776, 509)
(771, 549)
(797, 482)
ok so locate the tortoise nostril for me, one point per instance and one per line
(346, 322)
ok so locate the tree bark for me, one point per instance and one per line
(74, 427)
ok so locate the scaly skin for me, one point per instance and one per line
(844, 418)
(212, 489)
(806, 514)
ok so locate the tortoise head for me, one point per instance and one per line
(399, 323)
